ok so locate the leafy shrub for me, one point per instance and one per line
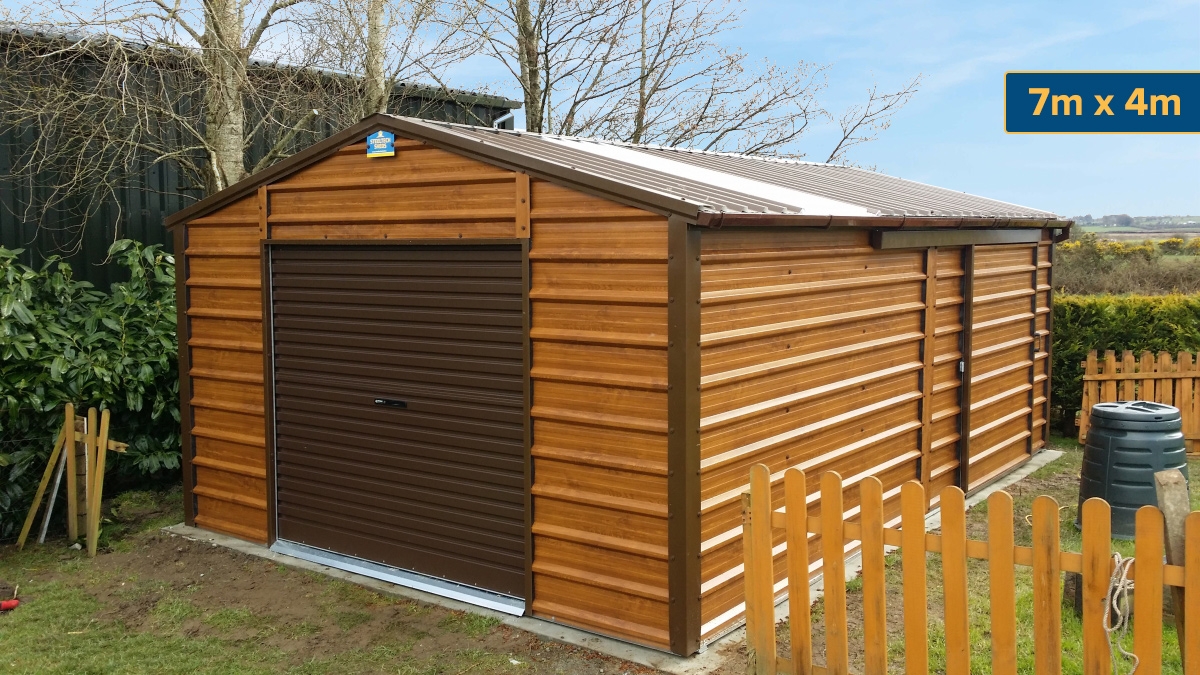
(1090, 265)
(1139, 323)
(61, 340)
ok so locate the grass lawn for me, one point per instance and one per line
(153, 603)
(1058, 479)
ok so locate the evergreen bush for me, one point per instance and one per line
(1139, 323)
(61, 340)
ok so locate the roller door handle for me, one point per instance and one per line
(393, 402)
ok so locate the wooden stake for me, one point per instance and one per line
(98, 485)
(49, 512)
(89, 452)
(37, 497)
(1172, 491)
(72, 483)
(81, 475)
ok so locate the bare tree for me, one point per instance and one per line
(566, 55)
(864, 122)
(201, 93)
(655, 71)
(389, 42)
(216, 40)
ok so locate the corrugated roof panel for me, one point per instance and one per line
(797, 201)
(723, 182)
(888, 194)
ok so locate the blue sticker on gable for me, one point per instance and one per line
(381, 144)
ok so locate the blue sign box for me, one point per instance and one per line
(381, 144)
(1102, 103)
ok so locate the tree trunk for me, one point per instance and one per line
(639, 121)
(531, 76)
(375, 94)
(224, 109)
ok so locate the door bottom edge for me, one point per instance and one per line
(415, 580)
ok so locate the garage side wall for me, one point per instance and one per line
(811, 356)
(822, 353)
(599, 340)
(1009, 357)
(422, 192)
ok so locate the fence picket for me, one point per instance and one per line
(833, 566)
(1186, 398)
(1047, 593)
(1191, 611)
(954, 582)
(1146, 389)
(870, 492)
(795, 493)
(1110, 368)
(1091, 392)
(1094, 563)
(762, 574)
(1127, 386)
(912, 552)
(1002, 584)
(1097, 570)
(1161, 377)
(1148, 607)
(1166, 388)
(750, 581)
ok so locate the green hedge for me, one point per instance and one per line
(1168, 323)
(62, 340)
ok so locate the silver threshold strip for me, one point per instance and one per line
(420, 582)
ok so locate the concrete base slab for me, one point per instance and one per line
(704, 663)
(713, 657)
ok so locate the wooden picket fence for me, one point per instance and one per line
(762, 530)
(1146, 378)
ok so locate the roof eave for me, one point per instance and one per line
(719, 220)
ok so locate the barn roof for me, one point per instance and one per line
(713, 188)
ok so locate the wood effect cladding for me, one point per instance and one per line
(818, 352)
(811, 356)
(599, 338)
(1010, 342)
(421, 193)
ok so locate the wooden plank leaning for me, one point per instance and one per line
(97, 483)
(41, 490)
(72, 483)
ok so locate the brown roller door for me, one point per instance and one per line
(399, 407)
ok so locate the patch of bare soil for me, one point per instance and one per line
(166, 583)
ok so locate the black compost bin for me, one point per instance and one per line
(1127, 443)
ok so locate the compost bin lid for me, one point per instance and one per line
(1136, 411)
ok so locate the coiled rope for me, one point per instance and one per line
(1116, 619)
